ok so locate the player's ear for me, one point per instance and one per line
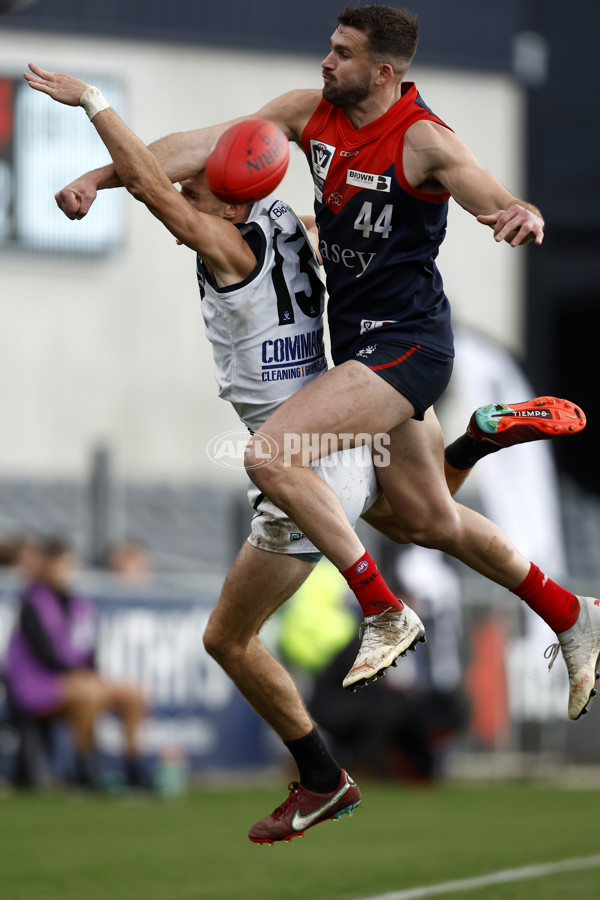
(385, 74)
(239, 211)
(232, 210)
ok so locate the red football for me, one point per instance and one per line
(248, 161)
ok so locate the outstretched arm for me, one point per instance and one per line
(183, 155)
(180, 155)
(436, 159)
(218, 240)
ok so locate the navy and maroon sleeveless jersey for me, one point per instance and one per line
(378, 236)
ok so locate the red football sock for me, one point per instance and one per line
(557, 606)
(372, 593)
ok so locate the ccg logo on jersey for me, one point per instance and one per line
(321, 155)
(369, 181)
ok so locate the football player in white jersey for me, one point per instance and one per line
(235, 266)
(239, 246)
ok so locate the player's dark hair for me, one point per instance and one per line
(392, 34)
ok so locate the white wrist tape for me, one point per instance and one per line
(93, 101)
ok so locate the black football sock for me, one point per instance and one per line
(464, 452)
(318, 769)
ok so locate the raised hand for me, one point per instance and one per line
(61, 87)
(75, 199)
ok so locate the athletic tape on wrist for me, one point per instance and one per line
(93, 101)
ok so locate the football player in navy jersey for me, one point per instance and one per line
(381, 214)
(393, 354)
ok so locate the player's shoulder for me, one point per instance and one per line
(430, 147)
(301, 98)
(427, 133)
(292, 110)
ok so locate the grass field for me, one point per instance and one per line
(66, 847)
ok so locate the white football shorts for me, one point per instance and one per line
(350, 473)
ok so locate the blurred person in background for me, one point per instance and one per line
(131, 561)
(50, 668)
(21, 553)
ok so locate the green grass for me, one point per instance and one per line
(62, 847)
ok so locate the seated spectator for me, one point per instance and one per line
(50, 671)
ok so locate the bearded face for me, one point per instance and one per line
(347, 93)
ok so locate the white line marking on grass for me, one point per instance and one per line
(502, 877)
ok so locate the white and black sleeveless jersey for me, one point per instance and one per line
(267, 331)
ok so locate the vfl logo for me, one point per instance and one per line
(321, 155)
(367, 325)
(369, 181)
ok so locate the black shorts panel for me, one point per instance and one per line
(420, 375)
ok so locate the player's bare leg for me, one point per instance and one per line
(382, 517)
(415, 485)
(428, 517)
(351, 399)
(455, 478)
(362, 404)
(257, 585)
(348, 400)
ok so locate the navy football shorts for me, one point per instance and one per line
(420, 375)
